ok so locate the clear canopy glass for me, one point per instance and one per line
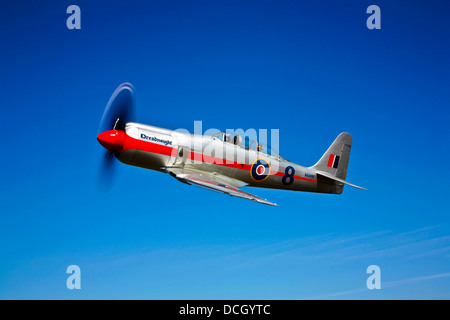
(246, 143)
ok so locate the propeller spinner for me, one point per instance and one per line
(111, 134)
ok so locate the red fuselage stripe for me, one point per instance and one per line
(136, 144)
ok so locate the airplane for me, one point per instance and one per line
(239, 164)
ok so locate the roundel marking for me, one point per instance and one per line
(260, 169)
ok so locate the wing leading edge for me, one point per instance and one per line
(215, 182)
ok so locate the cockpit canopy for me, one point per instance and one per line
(246, 143)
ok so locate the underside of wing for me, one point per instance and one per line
(216, 182)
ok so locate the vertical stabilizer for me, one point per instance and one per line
(335, 160)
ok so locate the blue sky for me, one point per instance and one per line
(311, 70)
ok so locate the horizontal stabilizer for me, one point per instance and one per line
(330, 176)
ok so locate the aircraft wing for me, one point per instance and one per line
(216, 182)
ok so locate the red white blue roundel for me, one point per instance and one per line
(260, 169)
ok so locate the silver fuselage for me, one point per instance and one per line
(156, 149)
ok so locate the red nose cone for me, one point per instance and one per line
(112, 140)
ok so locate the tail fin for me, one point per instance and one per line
(334, 163)
(335, 159)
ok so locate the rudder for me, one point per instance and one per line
(335, 159)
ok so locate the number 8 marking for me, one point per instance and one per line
(288, 178)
